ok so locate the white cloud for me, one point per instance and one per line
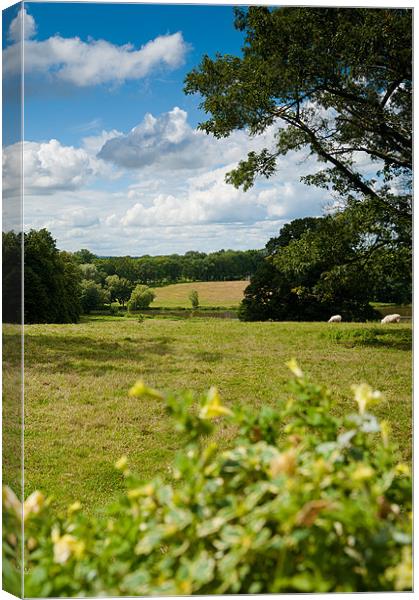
(23, 26)
(175, 200)
(49, 167)
(93, 143)
(75, 218)
(93, 62)
(169, 143)
(206, 199)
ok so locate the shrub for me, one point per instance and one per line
(115, 311)
(194, 299)
(141, 297)
(303, 501)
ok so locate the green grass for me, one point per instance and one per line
(79, 419)
(222, 294)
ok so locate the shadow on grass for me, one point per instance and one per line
(388, 337)
(210, 357)
(60, 353)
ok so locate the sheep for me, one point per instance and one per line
(391, 319)
(335, 319)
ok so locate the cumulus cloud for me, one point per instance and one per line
(23, 26)
(74, 218)
(93, 143)
(94, 62)
(48, 167)
(169, 142)
(207, 199)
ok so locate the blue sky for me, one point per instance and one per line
(113, 160)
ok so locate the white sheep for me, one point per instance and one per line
(391, 319)
(335, 319)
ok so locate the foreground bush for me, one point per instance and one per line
(303, 501)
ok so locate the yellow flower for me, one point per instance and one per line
(402, 469)
(365, 396)
(140, 389)
(11, 502)
(362, 472)
(213, 408)
(74, 507)
(33, 504)
(66, 546)
(294, 368)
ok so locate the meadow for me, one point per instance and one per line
(79, 418)
(225, 294)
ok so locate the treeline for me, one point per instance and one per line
(60, 285)
(224, 265)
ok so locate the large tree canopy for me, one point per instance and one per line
(319, 267)
(52, 281)
(335, 80)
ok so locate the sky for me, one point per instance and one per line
(113, 159)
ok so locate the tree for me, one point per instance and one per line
(72, 288)
(292, 231)
(119, 288)
(84, 256)
(194, 299)
(12, 277)
(90, 271)
(336, 81)
(51, 281)
(92, 296)
(323, 269)
(141, 297)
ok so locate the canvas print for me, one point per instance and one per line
(207, 299)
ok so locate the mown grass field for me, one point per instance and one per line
(79, 418)
(225, 294)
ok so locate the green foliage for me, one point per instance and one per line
(84, 256)
(115, 311)
(194, 298)
(335, 80)
(119, 288)
(12, 276)
(331, 265)
(303, 501)
(92, 296)
(142, 296)
(52, 281)
(90, 271)
(224, 265)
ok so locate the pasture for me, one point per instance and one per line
(220, 294)
(79, 418)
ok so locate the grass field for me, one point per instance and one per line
(79, 419)
(225, 294)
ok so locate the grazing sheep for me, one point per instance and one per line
(391, 319)
(335, 319)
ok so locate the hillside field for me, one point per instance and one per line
(223, 294)
(79, 418)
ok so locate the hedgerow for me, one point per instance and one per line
(302, 501)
